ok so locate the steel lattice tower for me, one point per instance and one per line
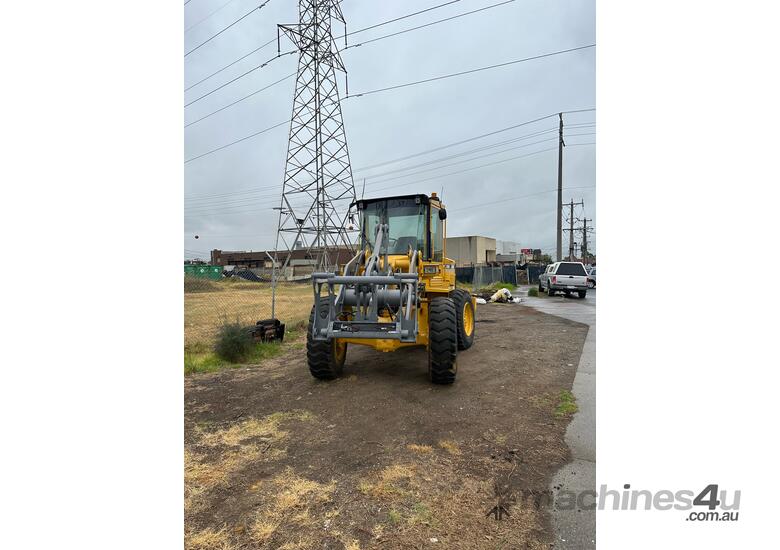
(318, 186)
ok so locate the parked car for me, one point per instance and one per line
(568, 277)
(592, 277)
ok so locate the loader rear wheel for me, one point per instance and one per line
(443, 341)
(325, 357)
(464, 309)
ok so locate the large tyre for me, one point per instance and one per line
(326, 358)
(442, 341)
(550, 291)
(540, 287)
(464, 313)
(582, 293)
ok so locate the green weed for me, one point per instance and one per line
(199, 357)
(566, 404)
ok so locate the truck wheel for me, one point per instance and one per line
(464, 310)
(550, 291)
(582, 293)
(325, 357)
(442, 341)
(540, 287)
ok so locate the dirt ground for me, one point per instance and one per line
(381, 458)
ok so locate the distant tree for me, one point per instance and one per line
(546, 259)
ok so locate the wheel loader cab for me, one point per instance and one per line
(398, 290)
(417, 223)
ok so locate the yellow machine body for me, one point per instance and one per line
(438, 279)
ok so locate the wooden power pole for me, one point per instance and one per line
(559, 236)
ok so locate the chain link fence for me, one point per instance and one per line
(213, 296)
(217, 297)
(483, 276)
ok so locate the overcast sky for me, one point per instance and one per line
(384, 126)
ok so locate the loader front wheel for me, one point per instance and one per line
(443, 341)
(464, 309)
(325, 357)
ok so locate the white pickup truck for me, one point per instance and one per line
(568, 277)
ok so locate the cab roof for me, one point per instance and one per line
(424, 199)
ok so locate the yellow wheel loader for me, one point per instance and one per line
(397, 291)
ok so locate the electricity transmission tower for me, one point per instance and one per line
(318, 186)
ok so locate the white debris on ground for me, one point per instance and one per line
(503, 296)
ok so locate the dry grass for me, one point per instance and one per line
(390, 482)
(429, 503)
(303, 543)
(292, 503)
(216, 302)
(450, 446)
(253, 428)
(246, 442)
(208, 539)
(421, 449)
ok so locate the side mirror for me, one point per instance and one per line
(443, 214)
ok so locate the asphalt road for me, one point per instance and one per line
(576, 529)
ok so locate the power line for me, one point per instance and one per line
(270, 204)
(239, 202)
(236, 78)
(239, 100)
(212, 37)
(427, 24)
(188, 29)
(518, 197)
(346, 48)
(462, 161)
(476, 150)
(231, 64)
(462, 153)
(470, 71)
(238, 141)
(486, 165)
(226, 210)
(209, 197)
(398, 18)
(461, 142)
(469, 160)
(397, 159)
(342, 36)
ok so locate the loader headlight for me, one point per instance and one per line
(430, 269)
(449, 266)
